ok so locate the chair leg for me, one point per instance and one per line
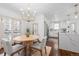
(41, 52)
(25, 51)
(4, 53)
(30, 53)
(45, 51)
(18, 53)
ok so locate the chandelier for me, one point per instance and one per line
(74, 13)
(28, 14)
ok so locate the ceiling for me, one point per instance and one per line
(53, 11)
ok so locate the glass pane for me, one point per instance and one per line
(35, 29)
(56, 26)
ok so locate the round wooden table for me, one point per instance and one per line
(27, 41)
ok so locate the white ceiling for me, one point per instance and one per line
(54, 11)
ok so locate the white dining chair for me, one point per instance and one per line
(40, 45)
(9, 49)
(16, 35)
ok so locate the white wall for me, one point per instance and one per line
(40, 20)
(77, 26)
(7, 12)
(1, 28)
(23, 27)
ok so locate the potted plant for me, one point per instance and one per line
(27, 32)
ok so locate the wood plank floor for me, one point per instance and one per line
(53, 43)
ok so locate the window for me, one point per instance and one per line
(7, 24)
(35, 28)
(56, 26)
(72, 27)
(11, 27)
(16, 26)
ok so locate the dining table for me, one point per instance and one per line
(26, 41)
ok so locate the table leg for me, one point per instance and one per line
(25, 51)
(28, 48)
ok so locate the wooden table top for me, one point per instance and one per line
(23, 38)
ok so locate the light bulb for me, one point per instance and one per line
(21, 9)
(28, 14)
(76, 16)
(28, 8)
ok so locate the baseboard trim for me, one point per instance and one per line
(1, 50)
(54, 37)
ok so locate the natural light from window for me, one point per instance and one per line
(56, 26)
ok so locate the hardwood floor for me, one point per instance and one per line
(1, 50)
(53, 43)
(67, 53)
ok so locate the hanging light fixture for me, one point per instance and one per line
(28, 14)
(76, 11)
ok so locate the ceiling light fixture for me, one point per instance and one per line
(28, 14)
(76, 11)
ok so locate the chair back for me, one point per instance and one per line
(44, 41)
(7, 46)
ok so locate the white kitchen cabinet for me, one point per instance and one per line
(69, 41)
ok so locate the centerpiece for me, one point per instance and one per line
(27, 33)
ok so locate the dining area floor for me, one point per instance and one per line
(51, 48)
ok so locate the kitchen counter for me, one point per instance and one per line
(69, 41)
